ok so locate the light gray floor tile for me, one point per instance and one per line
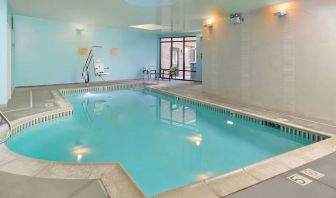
(15, 186)
(326, 166)
(281, 187)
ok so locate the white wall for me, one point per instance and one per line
(3, 52)
(9, 61)
(286, 64)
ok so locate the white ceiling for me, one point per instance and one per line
(180, 15)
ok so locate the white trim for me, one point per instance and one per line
(9, 62)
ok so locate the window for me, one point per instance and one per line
(179, 52)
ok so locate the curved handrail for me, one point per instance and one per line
(9, 133)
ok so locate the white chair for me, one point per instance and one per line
(99, 68)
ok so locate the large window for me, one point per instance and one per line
(179, 52)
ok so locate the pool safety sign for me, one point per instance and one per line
(302, 180)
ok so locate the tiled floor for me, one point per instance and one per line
(15, 186)
(281, 186)
(32, 100)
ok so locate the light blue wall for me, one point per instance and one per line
(199, 64)
(3, 52)
(46, 51)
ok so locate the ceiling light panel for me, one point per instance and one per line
(150, 3)
(151, 27)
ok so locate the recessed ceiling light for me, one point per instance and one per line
(150, 27)
(149, 3)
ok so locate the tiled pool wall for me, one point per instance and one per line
(65, 110)
(284, 128)
(68, 111)
(37, 119)
(100, 88)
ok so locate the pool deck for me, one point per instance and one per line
(264, 176)
(281, 186)
(40, 188)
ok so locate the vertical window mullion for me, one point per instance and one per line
(171, 52)
(183, 58)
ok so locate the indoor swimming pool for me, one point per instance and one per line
(163, 143)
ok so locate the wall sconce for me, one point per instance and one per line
(208, 23)
(114, 52)
(83, 51)
(80, 27)
(280, 13)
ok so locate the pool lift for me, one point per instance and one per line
(98, 65)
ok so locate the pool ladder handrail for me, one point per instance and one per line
(9, 133)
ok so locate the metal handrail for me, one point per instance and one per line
(9, 133)
(85, 73)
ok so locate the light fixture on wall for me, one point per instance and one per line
(83, 51)
(207, 28)
(208, 23)
(114, 51)
(80, 27)
(280, 13)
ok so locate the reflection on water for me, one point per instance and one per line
(99, 106)
(177, 114)
(80, 151)
(230, 122)
(181, 116)
(196, 139)
(170, 113)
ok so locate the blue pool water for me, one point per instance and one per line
(162, 143)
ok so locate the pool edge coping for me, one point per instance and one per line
(243, 178)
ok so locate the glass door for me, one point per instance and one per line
(190, 54)
(181, 53)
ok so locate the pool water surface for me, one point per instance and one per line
(161, 142)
